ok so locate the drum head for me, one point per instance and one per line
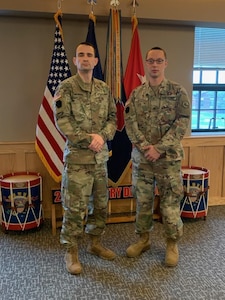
(193, 171)
(20, 178)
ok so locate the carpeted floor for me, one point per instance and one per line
(32, 266)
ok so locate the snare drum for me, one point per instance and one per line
(196, 185)
(21, 200)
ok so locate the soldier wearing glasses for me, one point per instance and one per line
(157, 115)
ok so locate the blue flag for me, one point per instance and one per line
(91, 38)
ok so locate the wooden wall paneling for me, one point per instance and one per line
(185, 161)
(7, 162)
(32, 162)
(201, 152)
(210, 158)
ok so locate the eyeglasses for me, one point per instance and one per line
(151, 61)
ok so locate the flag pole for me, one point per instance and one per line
(115, 3)
(92, 3)
(134, 3)
(56, 17)
(91, 15)
(59, 4)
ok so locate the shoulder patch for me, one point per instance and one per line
(58, 103)
(186, 104)
(127, 108)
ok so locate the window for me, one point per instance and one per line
(208, 97)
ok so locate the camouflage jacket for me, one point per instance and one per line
(81, 109)
(158, 118)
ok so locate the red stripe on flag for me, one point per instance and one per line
(48, 109)
(50, 114)
(54, 143)
(48, 159)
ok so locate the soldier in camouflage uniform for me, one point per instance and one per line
(157, 115)
(85, 113)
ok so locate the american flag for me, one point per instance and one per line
(49, 142)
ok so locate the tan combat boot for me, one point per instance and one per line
(73, 265)
(172, 253)
(97, 249)
(140, 246)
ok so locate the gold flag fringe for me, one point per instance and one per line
(56, 18)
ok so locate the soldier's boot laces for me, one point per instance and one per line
(172, 253)
(140, 246)
(73, 265)
(97, 249)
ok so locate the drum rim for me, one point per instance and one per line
(35, 178)
(20, 173)
(205, 172)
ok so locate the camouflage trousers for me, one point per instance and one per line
(167, 176)
(81, 183)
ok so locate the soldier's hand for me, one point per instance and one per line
(151, 153)
(97, 142)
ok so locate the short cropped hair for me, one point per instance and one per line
(87, 44)
(157, 48)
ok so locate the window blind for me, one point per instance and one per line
(209, 47)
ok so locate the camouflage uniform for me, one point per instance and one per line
(81, 109)
(158, 118)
